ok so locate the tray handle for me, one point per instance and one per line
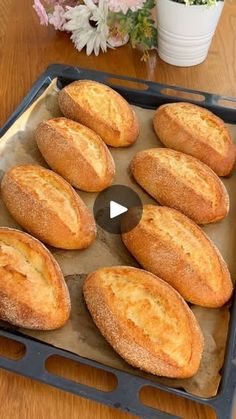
(144, 93)
(227, 102)
(125, 396)
(222, 106)
(148, 94)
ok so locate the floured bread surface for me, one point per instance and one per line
(102, 109)
(145, 320)
(47, 206)
(170, 245)
(198, 132)
(182, 182)
(33, 293)
(87, 163)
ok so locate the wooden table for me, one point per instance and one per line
(26, 49)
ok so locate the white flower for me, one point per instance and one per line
(93, 36)
(125, 5)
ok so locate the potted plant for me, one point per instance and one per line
(186, 29)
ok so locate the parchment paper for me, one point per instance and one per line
(80, 335)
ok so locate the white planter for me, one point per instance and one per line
(185, 32)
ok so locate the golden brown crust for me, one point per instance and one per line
(173, 247)
(196, 131)
(102, 109)
(45, 205)
(33, 293)
(87, 163)
(180, 181)
(145, 320)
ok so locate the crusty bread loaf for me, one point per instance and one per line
(45, 205)
(77, 153)
(145, 320)
(102, 109)
(196, 131)
(33, 293)
(173, 247)
(182, 182)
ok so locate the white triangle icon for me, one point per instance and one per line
(116, 209)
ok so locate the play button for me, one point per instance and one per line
(112, 205)
(116, 209)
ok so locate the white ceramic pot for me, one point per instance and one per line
(185, 32)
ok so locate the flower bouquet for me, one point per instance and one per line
(101, 24)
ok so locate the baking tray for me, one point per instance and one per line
(126, 394)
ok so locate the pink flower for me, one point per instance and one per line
(62, 2)
(57, 18)
(125, 5)
(116, 37)
(118, 41)
(41, 12)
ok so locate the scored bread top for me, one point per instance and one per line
(105, 102)
(102, 109)
(196, 131)
(153, 319)
(181, 234)
(181, 181)
(170, 245)
(46, 205)
(84, 140)
(202, 123)
(87, 163)
(33, 293)
(43, 184)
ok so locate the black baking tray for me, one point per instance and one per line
(126, 394)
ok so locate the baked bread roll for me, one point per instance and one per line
(182, 182)
(102, 109)
(198, 132)
(145, 320)
(33, 293)
(46, 206)
(76, 153)
(173, 247)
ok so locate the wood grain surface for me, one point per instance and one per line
(26, 49)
